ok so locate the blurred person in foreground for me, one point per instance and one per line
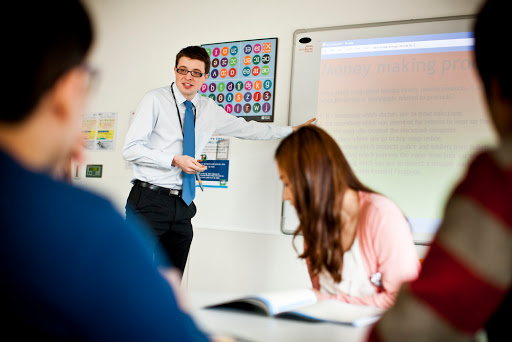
(357, 243)
(464, 287)
(71, 267)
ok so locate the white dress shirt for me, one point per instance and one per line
(155, 135)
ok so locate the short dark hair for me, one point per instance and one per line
(46, 40)
(490, 46)
(195, 52)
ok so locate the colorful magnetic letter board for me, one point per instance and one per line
(242, 77)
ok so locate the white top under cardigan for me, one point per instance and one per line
(355, 281)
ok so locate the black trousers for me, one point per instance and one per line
(169, 219)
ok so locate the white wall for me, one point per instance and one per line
(237, 243)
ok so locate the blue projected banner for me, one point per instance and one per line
(242, 77)
(431, 43)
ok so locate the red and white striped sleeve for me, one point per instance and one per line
(468, 270)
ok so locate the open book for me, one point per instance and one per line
(302, 304)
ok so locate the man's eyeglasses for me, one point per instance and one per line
(194, 73)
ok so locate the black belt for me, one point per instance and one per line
(159, 189)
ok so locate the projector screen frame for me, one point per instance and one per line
(304, 72)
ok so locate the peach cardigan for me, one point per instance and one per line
(386, 246)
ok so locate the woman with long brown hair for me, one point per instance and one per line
(357, 243)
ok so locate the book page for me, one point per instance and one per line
(337, 312)
(281, 301)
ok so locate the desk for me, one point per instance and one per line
(258, 328)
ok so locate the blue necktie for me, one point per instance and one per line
(189, 149)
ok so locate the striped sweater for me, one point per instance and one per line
(465, 282)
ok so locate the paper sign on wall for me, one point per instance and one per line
(99, 131)
(215, 156)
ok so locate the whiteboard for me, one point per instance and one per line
(403, 101)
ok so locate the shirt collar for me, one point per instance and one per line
(180, 98)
